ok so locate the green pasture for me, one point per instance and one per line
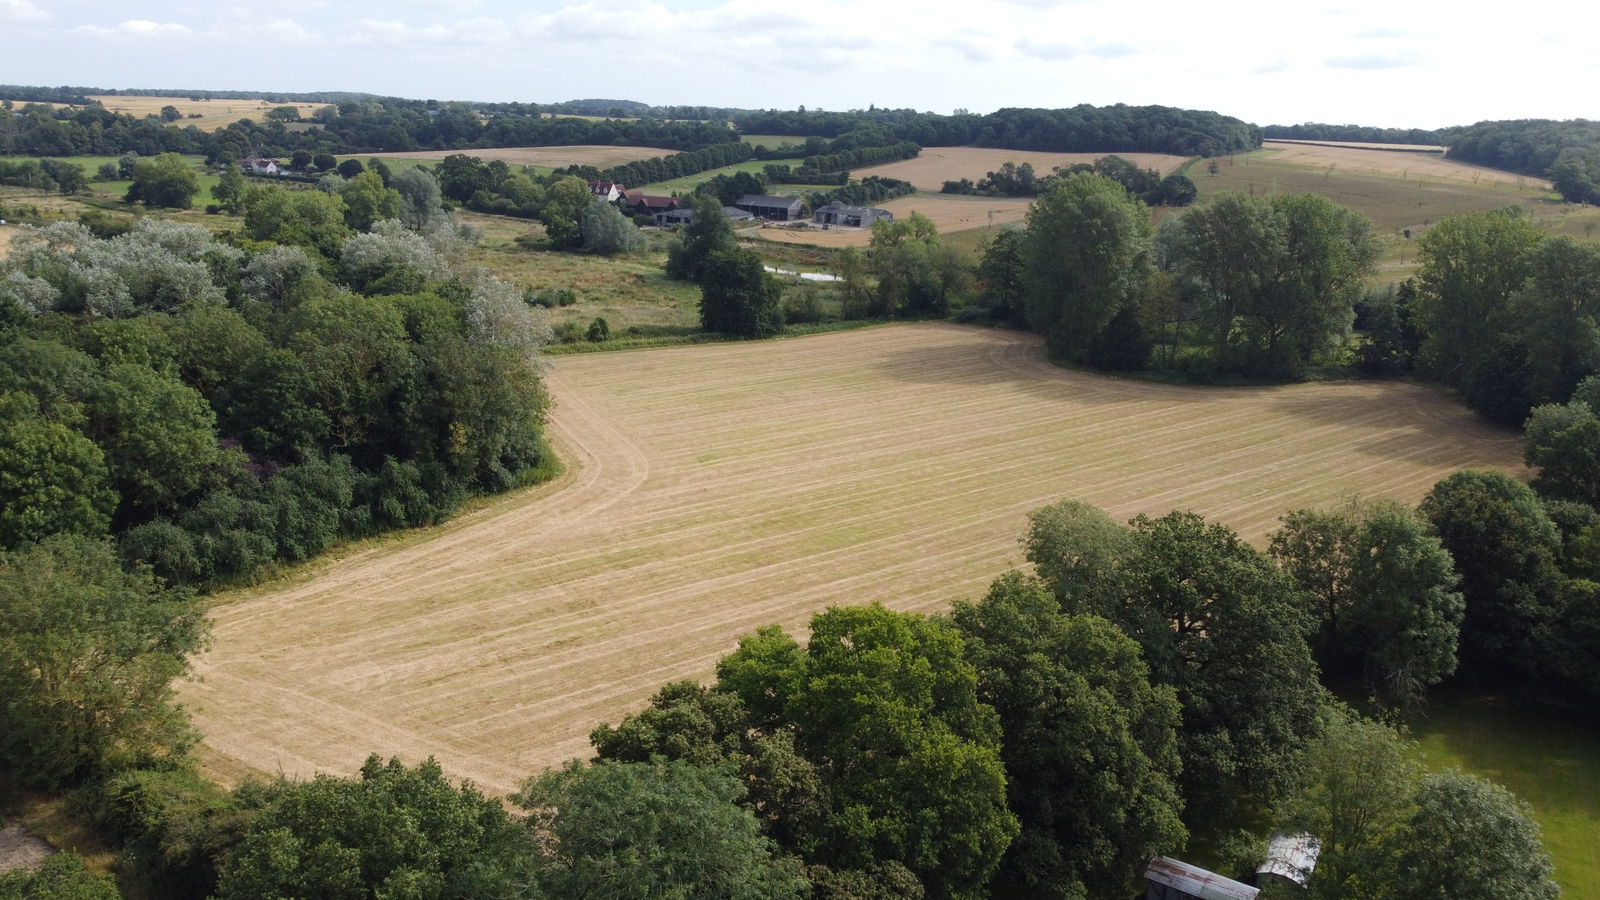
(773, 141)
(1551, 761)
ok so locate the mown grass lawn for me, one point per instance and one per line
(1551, 761)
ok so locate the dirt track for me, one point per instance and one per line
(719, 488)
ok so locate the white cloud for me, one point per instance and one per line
(138, 28)
(1373, 60)
(21, 11)
(1058, 51)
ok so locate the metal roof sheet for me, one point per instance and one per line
(1293, 856)
(1197, 882)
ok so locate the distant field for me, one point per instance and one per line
(1549, 760)
(936, 165)
(950, 212)
(773, 141)
(1369, 145)
(1394, 199)
(602, 156)
(214, 114)
(719, 488)
(1381, 162)
(628, 289)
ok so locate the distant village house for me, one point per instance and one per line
(259, 166)
(606, 190)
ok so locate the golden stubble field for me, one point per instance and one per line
(930, 169)
(599, 155)
(214, 114)
(716, 489)
(1390, 162)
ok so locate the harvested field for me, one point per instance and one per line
(543, 157)
(1383, 162)
(936, 165)
(951, 212)
(719, 488)
(1365, 145)
(214, 114)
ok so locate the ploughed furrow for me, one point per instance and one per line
(715, 489)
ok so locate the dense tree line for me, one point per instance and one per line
(1252, 286)
(1322, 131)
(840, 160)
(1012, 180)
(663, 168)
(1566, 152)
(214, 406)
(363, 124)
(1083, 128)
(1498, 310)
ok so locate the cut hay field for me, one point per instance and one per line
(214, 114)
(1388, 162)
(936, 165)
(715, 489)
(951, 212)
(602, 156)
(1368, 145)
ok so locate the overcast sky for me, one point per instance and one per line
(1411, 63)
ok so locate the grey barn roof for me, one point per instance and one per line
(765, 200)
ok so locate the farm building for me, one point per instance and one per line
(652, 205)
(850, 216)
(1169, 879)
(1291, 856)
(686, 215)
(606, 190)
(783, 209)
(259, 166)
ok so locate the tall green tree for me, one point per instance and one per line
(52, 478)
(1383, 588)
(368, 200)
(1469, 839)
(1558, 311)
(606, 230)
(708, 232)
(1505, 548)
(1090, 746)
(738, 296)
(229, 191)
(651, 830)
(1000, 275)
(1472, 264)
(886, 706)
(392, 832)
(1275, 278)
(1086, 254)
(164, 180)
(1216, 621)
(88, 654)
(1564, 443)
(1355, 789)
(158, 435)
